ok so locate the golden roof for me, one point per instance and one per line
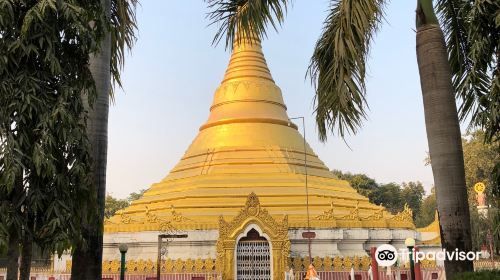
(431, 235)
(433, 227)
(248, 144)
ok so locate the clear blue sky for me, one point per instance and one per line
(173, 71)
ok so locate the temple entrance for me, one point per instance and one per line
(253, 245)
(253, 257)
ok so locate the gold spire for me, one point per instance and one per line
(248, 144)
(247, 113)
(234, 103)
(247, 60)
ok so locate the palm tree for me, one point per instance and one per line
(443, 137)
(337, 70)
(87, 261)
(105, 66)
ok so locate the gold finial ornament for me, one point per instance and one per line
(479, 187)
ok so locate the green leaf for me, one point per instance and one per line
(251, 17)
(337, 68)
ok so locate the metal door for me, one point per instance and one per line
(253, 260)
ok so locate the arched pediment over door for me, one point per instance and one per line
(252, 216)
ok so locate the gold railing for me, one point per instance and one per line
(331, 263)
(149, 266)
(208, 265)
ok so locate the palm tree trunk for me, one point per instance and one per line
(444, 137)
(26, 254)
(87, 262)
(13, 255)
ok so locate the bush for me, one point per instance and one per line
(479, 275)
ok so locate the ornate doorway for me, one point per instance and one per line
(253, 257)
(265, 246)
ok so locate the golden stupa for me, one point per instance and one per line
(248, 146)
(239, 193)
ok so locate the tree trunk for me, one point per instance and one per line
(26, 254)
(87, 262)
(13, 246)
(13, 255)
(444, 137)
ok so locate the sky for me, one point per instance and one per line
(172, 72)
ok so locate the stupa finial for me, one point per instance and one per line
(247, 93)
(247, 59)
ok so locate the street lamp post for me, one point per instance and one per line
(308, 234)
(410, 244)
(163, 251)
(123, 250)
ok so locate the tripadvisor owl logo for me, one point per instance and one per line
(386, 255)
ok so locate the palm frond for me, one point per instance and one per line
(337, 68)
(473, 41)
(123, 28)
(251, 17)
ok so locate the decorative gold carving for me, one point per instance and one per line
(356, 262)
(125, 218)
(105, 267)
(176, 216)
(166, 226)
(150, 266)
(252, 213)
(306, 262)
(365, 262)
(68, 266)
(163, 223)
(209, 264)
(337, 263)
(404, 216)
(131, 265)
(189, 265)
(114, 266)
(169, 265)
(353, 215)
(327, 215)
(151, 217)
(425, 263)
(219, 262)
(318, 263)
(178, 266)
(327, 263)
(141, 265)
(347, 263)
(198, 265)
(377, 215)
(297, 263)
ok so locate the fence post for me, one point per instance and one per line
(418, 271)
(374, 263)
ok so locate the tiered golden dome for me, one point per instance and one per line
(248, 144)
